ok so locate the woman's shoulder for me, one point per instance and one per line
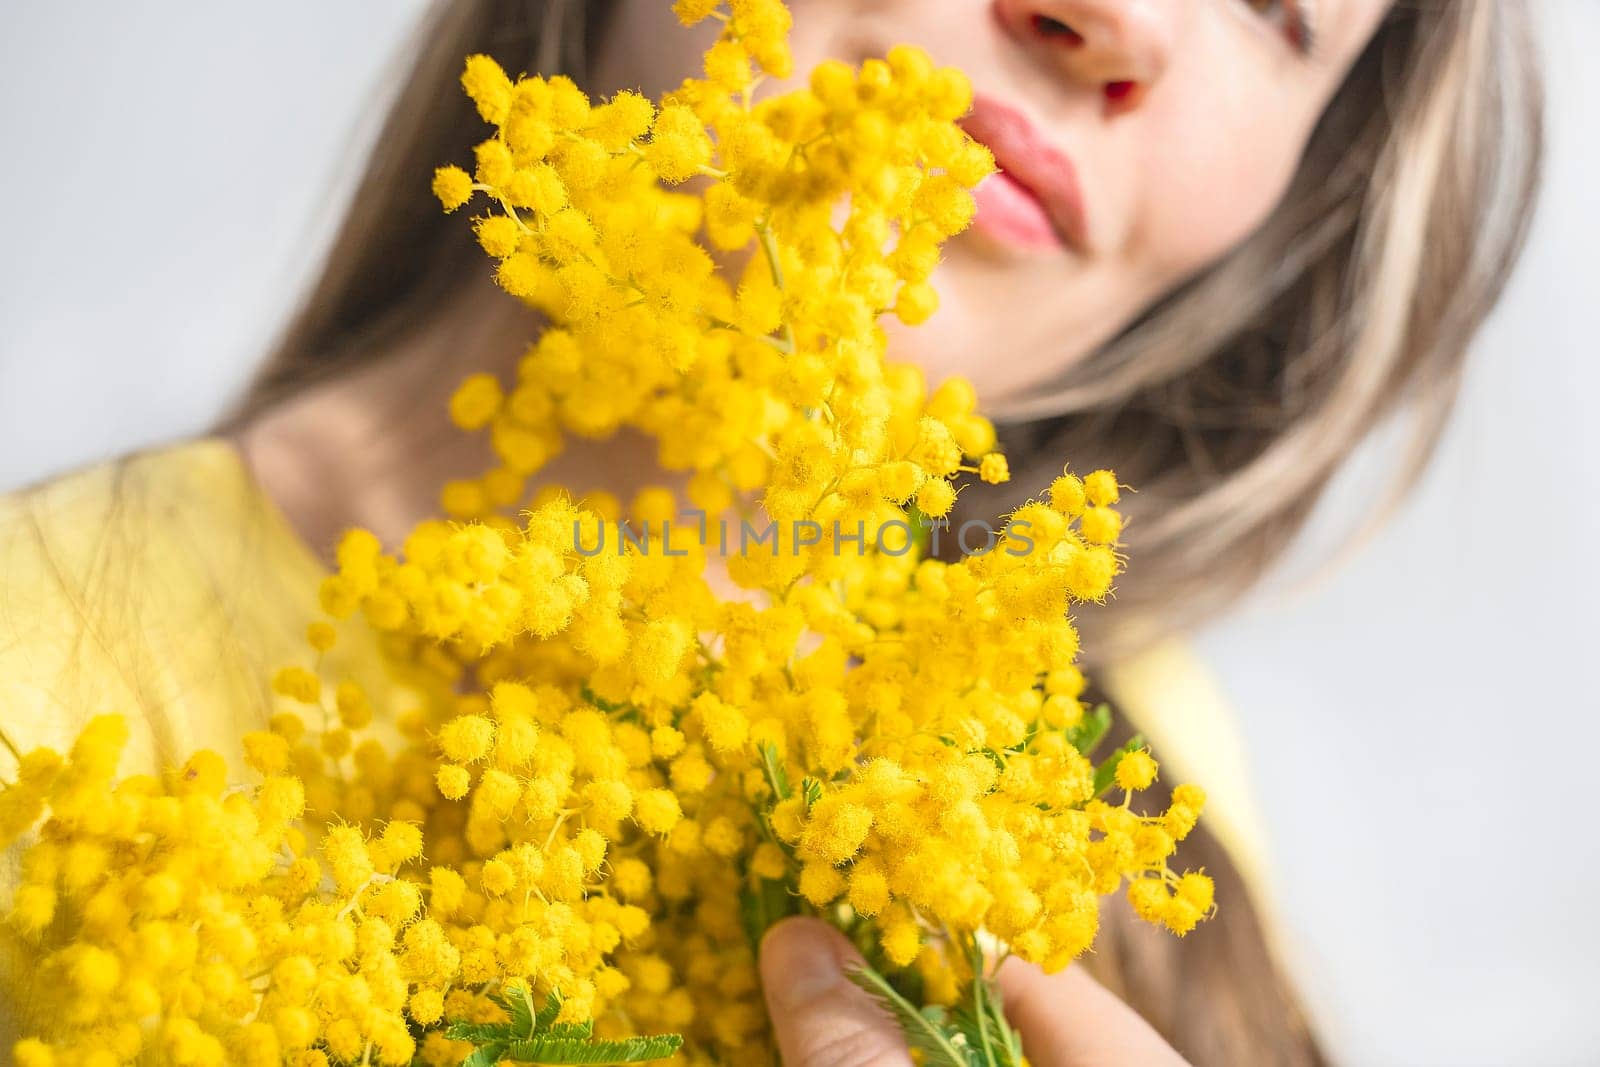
(163, 586)
(173, 492)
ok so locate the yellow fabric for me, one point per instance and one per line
(1175, 700)
(165, 587)
(168, 587)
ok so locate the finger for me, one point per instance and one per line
(1070, 1020)
(820, 1018)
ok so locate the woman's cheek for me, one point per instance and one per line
(1209, 198)
(1012, 328)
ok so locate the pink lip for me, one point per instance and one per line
(1035, 200)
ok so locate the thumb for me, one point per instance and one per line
(821, 1019)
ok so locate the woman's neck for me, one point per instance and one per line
(373, 447)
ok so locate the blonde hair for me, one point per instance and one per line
(1229, 405)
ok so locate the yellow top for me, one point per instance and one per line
(166, 586)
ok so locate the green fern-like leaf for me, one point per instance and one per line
(921, 530)
(548, 1049)
(762, 905)
(772, 767)
(479, 1033)
(1087, 734)
(940, 1044)
(485, 1055)
(515, 1001)
(546, 1016)
(985, 1026)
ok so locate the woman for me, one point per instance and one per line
(1228, 238)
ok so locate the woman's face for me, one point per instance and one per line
(1137, 140)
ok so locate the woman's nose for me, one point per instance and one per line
(1119, 48)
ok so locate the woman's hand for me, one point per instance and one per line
(823, 1020)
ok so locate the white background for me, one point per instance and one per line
(1423, 722)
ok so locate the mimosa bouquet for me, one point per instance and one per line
(633, 739)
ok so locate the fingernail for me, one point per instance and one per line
(799, 963)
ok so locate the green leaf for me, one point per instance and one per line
(516, 1001)
(973, 1035)
(1008, 1037)
(772, 765)
(485, 1055)
(479, 1033)
(921, 530)
(811, 790)
(985, 1026)
(546, 1016)
(1106, 773)
(762, 906)
(940, 1045)
(548, 1049)
(1090, 730)
(600, 702)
